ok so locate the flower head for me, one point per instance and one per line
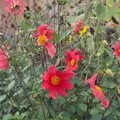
(57, 82)
(99, 94)
(72, 59)
(79, 25)
(116, 50)
(43, 34)
(4, 64)
(15, 6)
(91, 30)
(84, 30)
(97, 91)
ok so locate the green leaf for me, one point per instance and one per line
(100, 10)
(97, 117)
(77, 81)
(82, 107)
(109, 2)
(8, 117)
(109, 84)
(2, 97)
(90, 45)
(11, 85)
(108, 112)
(94, 111)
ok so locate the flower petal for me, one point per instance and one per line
(51, 49)
(62, 92)
(53, 93)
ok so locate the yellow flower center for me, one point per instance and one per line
(84, 30)
(118, 50)
(55, 80)
(98, 88)
(73, 62)
(42, 40)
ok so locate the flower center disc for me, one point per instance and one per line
(42, 40)
(73, 62)
(119, 50)
(98, 88)
(55, 80)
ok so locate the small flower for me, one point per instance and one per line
(91, 29)
(57, 82)
(72, 59)
(70, 38)
(97, 91)
(84, 30)
(4, 64)
(15, 6)
(79, 25)
(109, 72)
(43, 35)
(117, 50)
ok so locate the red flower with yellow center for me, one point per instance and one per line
(116, 50)
(97, 91)
(72, 59)
(78, 27)
(4, 64)
(43, 36)
(15, 6)
(57, 82)
(42, 40)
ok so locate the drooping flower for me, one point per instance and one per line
(72, 59)
(116, 48)
(43, 35)
(57, 82)
(79, 25)
(97, 91)
(15, 7)
(4, 64)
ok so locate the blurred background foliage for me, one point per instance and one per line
(21, 96)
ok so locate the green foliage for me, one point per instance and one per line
(21, 94)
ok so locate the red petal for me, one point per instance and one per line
(67, 85)
(46, 85)
(51, 49)
(62, 92)
(105, 103)
(92, 80)
(51, 70)
(53, 92)
(4, 64)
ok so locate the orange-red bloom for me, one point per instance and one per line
(97, 91)
(43, 35)
(117, 50)
(72, 59)
(79, 25)
(57, 82)
(15, 6)
(4, 64)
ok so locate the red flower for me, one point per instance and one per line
(3, 60)
(79, 25)
(15, 6)
(72, 59)
(97, 91)
(43, 35)
(117, 50)
(57, 81)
